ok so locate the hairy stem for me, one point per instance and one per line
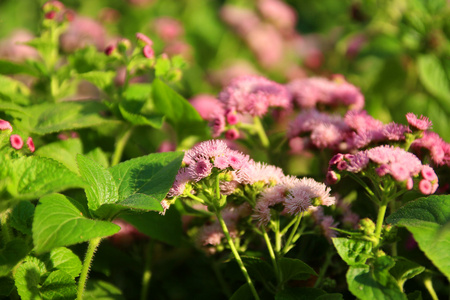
(379, 225)
(147, 275)
(261, 133)
(236, 255)
(120, 146)
(93, 245)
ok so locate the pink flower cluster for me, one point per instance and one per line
(171, 32)
(16, 140)
(317, 92)
(295, 195)
(435, 146)
(401, 165)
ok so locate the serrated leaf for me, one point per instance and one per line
(433, 77)
(22, 217)
(63, 151)
(13, 252)
(63, 259)
(99, 156)
(294, 269)
(27, 278)
(131, 111)
(101, 290)
(58, 222)
(32, 177)
(101, 79)
(58, 285)
(143, 182)
(167, 228)
(138, 91)
(243, 293)
(303, 293)
(428, 219)
(102, 188)
(10, 68)
(351, 251)
(55, 117)
(178, 111)
(405, 269)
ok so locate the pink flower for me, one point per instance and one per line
(269, 198)
(5, 125)
(421, 123)
(148, 51)
(217, 124)
(30, 144)
(425, 187)
(82, 32)
(428, 173)
(143, 39)
(232, 134)
(168, 28)
(325, 136)
(179, 185)
(279, 13)
(110, 49)
(232, 117)
(394, 131)
(300, 197)
(357, 162)
(16, 141)
(207, 106)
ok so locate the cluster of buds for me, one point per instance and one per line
(15, 140)
(56, 11)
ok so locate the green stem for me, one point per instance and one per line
(271, 253)
(147, 275)
(93, 244)
(193, 197)
(429, 285)
(6, 230)
(236, 255)
(379, 225)
(298, 218)
(120, 146)
(324, 268)
(261, 133)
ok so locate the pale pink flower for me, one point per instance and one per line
(325, 136)
(409, 183)
(206, 150)
(259, 172)
(148, 51)
(236, 159)
(200, 169)
(241, 19)
(217, 124)
(5, 125)
(395, 132)
(279, 13)
(425, 187)
(300, 197)
(267, 44)
(16, 141)
(438, 148)
(82, 32)
(421, 123)
(179, 185)
(428, 173)
(30, 144)
(269, 198)
(14, 48)
(221, 162)
(207, 106)
(327, 224)
(143, 39)
(168, 28)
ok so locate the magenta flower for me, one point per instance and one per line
(232, 134)
(16, 141)
(30, 144)
(148, 51)
(5, 125)
(421, 123)
(143, 39)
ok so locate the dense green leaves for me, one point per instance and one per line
(405, 269)
(178, 111)
(64, 151)
(99, 78)
(22, 217)
(63, 259)
(61, 221)
(294, 269)
(10, 68)
(353, 252)
(428, 219)
(101, 290)
(13, 252)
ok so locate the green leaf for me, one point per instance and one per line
(101, 290)
(375, 282)
(102, 188)
(405, 269)
(143, 182)
(32, 177)
(243, 293)
(13, 252)
(138, 91)
(178, 111)
(99, 156)
(55, 117)
(22, 217)
(294, 269)
(27, 279)
(303, 293)
(258, 268)
(59, 285)
(59, 221)
(428, 219)
(63, 151)
(351, 251)
(132, 112)
(433, 77)
(63, 259)
(101, 79)
(10, 68)
(165, 228)
(6, 286)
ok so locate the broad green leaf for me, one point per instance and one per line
(294, 269)
(11, 87)
(101, 290)
(243, 293)
(405, 269)
(375, 282)
(99, 156)
(27, 278)
(165, 228)
(63, 151)
(144, 181)
(63, 259)
(433, 77)
(55, 117)
(178, 111)
(22, 217)
(102, 188)
(13, 252)
(32, 177)
(6, 286)
(8, 106)
(351, 251)
(132, 112)
(138, 91)
(58, 221)
(428, 219)
(162, 67)
(58, 285)
(302, 293)
(10, 68)
(102, 79)
(258, 268)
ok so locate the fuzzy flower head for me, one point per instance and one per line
(254, 95)
(418, 123)
(5, 125)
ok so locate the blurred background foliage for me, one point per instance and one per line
(397, 52)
